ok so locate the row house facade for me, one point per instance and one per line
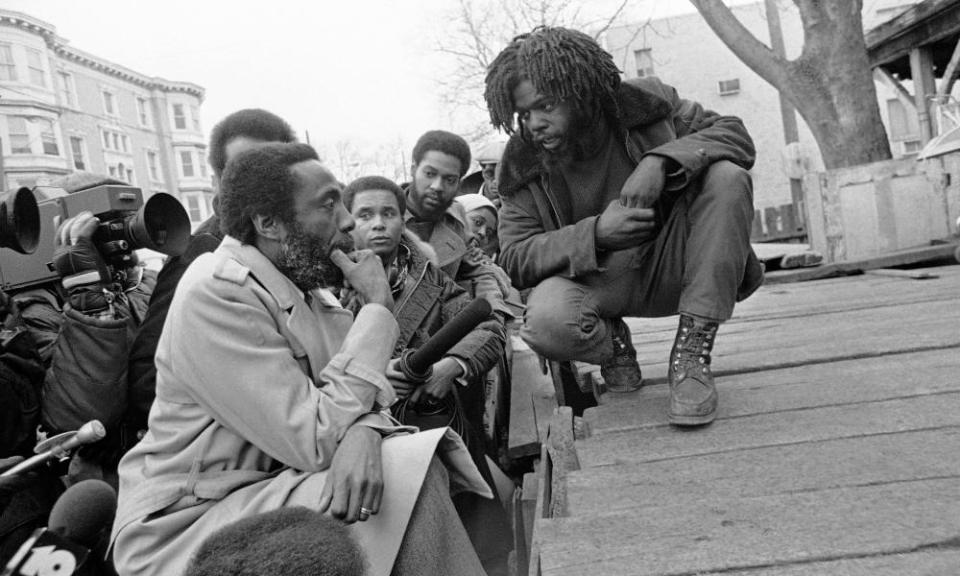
(62, 109)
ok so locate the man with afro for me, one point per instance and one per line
(234, 134)
(619, 198)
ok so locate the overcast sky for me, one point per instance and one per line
(362, 70)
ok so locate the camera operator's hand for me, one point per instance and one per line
(81, 268)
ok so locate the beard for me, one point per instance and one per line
(584, 138)
(305, 259)
(436, 211)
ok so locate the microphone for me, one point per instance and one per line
(418, 364)
(78, 521)
(90, 432)
(83, 511)
(293, 541)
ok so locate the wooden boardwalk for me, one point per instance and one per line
(836, 449)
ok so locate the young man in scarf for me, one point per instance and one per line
(426, 298)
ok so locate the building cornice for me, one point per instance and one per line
(62, 48)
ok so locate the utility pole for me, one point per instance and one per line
(788, 114)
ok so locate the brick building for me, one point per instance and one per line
(62, 109)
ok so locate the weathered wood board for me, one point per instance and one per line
(797, 388)
(532, 401)
(740, 533)
(931, 411)
(782, 469)
(834, 452)
(929, 563)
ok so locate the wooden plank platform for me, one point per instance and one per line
(834, 451)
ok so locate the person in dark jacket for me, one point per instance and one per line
(237, 132)
(425, 299)
(440, 159)
(619, 198)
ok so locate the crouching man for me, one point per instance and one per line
(268, 392)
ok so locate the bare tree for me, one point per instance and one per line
(830, 83)
(484, 27)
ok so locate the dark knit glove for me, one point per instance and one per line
(84, 275)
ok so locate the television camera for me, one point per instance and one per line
(127, 223)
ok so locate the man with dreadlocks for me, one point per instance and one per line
(619, 198)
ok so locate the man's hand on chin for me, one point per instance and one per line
(363, 272)
(355, 477)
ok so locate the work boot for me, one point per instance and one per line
(693, 395)
(621, 373)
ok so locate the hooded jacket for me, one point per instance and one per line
(537, 243)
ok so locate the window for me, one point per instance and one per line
(48, 137)
(203, 166)
(904, 124)
(186, 163)
(195, 117)
(109, 103)
(193, 208)
(143, 111)
(8, 68)
(644, 61)
(35, 65)
(67, 92)
(116, 141)
(153, 166)
(19, 138)
(729, 87)
(76, 150)
(912, 146)
(179, 120)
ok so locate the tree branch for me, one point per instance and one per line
(755, 54)
(613, 18)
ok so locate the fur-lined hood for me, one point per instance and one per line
(419, 249)
(642, 102)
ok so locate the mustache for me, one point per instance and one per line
(345, 244)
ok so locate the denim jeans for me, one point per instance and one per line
(699, 263)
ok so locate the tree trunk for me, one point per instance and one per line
(830, 84)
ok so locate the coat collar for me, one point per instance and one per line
(263, 270)
(640, 105)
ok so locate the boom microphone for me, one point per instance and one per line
(90, 432)
(78, 523)
(418, 364)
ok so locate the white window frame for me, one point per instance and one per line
(195, 117)
(36, 69)
(182, 116)
(143, 112)
(28, 149)
(7, 63)
(115, 140)
(48, 137)
(107, 95)
(153, 165)
(645, 71)
(67, 88)
(198, 207)
(186, 159)
(82, 145)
